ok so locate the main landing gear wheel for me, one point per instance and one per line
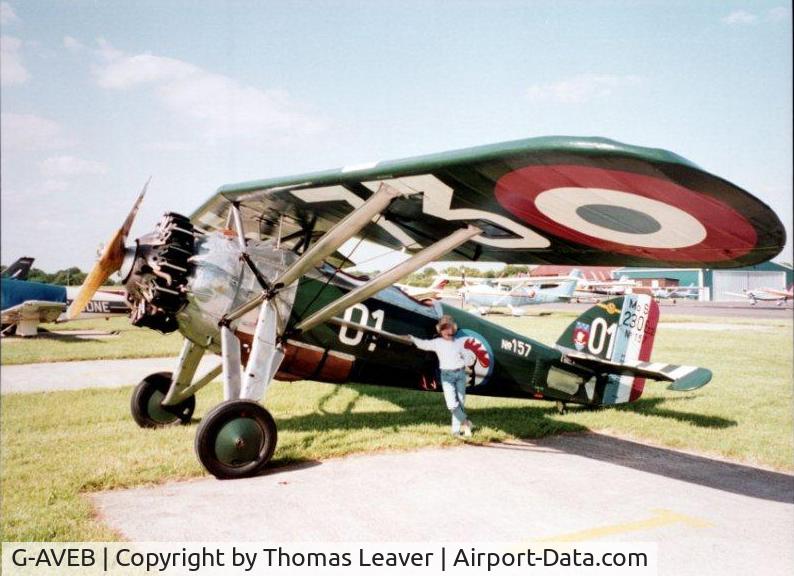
(146, 403)
(236, 439)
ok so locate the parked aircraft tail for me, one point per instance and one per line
(439, 282)
(615, 339)
(19, 269)
(565, 289)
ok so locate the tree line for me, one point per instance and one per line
(72, 276)
(424, 278)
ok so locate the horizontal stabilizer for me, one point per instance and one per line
(682, 378)
(693, 380)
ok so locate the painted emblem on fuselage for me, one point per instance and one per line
(581, 335)
(609, 307)
(479, 346)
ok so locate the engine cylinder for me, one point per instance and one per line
(157, 283)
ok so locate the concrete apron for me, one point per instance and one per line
(708, 516)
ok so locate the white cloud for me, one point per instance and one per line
(219, 106)
(30, 132)
(72, 44)
(581, 88)
(172, 146)
(740, 18)
(70, 167)
(7, 15)
(55, 186)
(12, 71)
(779, 14)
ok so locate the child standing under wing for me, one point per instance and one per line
(452, 359)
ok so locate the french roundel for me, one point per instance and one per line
(626, 213)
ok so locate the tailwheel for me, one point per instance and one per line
(236, 439)
(562, 407)
(146, 403)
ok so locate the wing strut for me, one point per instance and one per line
(381, 281)
(266, 352)
(341, 232)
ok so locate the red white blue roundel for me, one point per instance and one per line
(627, 213)
(479, 346)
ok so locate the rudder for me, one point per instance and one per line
(621, 330)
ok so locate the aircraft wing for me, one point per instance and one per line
(609, 283)
(533, 280)
(682, 378)
(737, 294)
(419, 293)
(776, 292)
(559, 200)
(40, 310)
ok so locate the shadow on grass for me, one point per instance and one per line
(539, 421)
(655, 407)
(72, 335)
(527, 419)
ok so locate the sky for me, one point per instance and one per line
(99, 96)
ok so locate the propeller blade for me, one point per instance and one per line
(111, 260)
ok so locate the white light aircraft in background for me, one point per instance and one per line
(766, 295)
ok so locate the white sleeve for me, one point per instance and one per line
(424, 344)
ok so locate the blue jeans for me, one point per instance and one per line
(453, 383)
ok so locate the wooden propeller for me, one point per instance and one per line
(111, 260)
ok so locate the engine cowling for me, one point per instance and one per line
(157, 281)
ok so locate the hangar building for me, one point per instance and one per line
(717, 283)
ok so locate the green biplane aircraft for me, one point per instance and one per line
(252, 275)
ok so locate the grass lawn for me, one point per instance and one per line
(57, 446)
(131, 342)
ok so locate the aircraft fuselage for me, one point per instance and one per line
(508, 364)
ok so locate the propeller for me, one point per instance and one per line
(111, 260)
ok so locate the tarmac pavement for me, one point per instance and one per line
(51, 376)
(707, 516)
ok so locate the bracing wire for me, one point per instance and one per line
(337, 269)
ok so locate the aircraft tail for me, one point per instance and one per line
(619, 332)
(570, 287)
(565, 289)
(439, 282)
(19, 269)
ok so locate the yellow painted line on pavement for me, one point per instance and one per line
(661, 518)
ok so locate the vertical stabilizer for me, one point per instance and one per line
(619, 330)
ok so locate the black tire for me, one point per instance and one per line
(146, 407)
(236, 439)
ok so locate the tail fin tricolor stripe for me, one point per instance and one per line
(633, 341)
(638, 384)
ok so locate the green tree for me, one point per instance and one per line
(69, 277)
(39, 275)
